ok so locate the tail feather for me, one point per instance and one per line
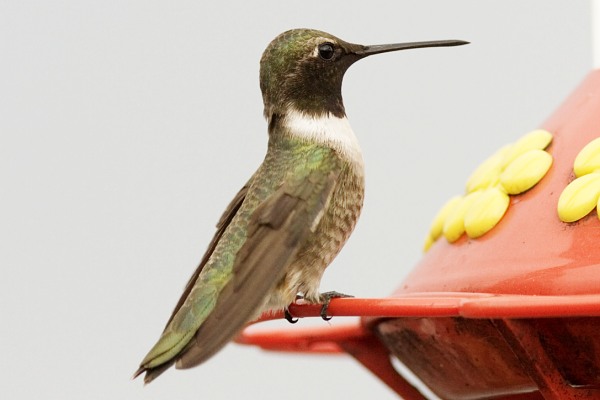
(152, 373)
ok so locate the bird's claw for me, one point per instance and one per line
(324, 315)
(326, 299)
(288, 317)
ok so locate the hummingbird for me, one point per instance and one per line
(295, 213)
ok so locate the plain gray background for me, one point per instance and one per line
(127, 126)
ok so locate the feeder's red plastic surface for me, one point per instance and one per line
(530, 253)
(514, 314)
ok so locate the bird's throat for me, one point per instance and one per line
(326, 129)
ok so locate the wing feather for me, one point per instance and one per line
(224, 221)
(277, 229)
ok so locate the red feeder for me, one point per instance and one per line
(513, 314)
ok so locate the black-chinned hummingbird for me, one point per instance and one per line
(293, 216)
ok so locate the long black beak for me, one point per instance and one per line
(384, 48)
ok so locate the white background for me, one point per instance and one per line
(127, 126)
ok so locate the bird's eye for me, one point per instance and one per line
(326, 51)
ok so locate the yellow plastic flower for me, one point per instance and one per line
(582, 195)
(485, 211)
(512, 170)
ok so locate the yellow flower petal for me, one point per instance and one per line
(454, 226)
(429, 241)
(588, 159)
(534, 140)
(579, 198)
(437, 226)
(487, 173)
(525, 171)
(485, 212)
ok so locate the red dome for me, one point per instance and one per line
(531, 251)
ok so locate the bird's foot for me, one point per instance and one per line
(286, 311)
(326, 299)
